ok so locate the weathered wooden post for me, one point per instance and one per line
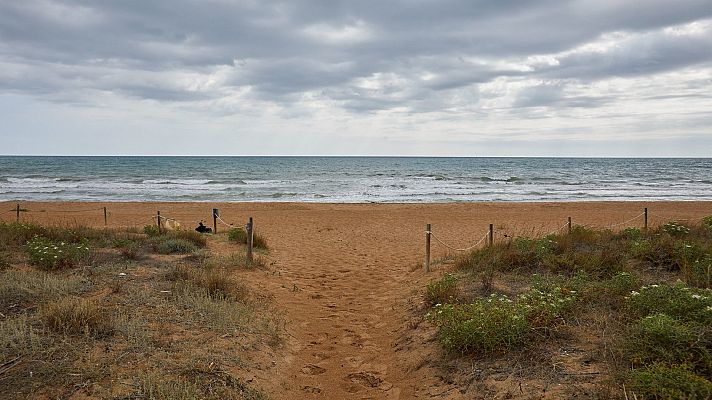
(250, 230)
(569, 225)
(18, 213)
(645, 219)
(158, 221)
(491, 234)
(427, 247)
(216, 213)
(106, 221)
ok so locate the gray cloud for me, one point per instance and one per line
(489, 59)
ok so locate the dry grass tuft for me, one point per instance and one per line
(73, 316)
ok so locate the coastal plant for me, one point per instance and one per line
(668, 383)
(490, 325)
(239, 235)
(677, 301)
(545, 305)
(443, 290)
(73, 316)
(151, 230)
(707, 222)
(166, 245)
(660, 338)
(50, 255)
(499, 323)
(675, 229)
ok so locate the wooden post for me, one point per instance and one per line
(491, 234)
(158, 221)
(569, 225)
(18, 213)
(427, 248)
(216, 212)
(106, 221)
(645, 219)
(250, 230)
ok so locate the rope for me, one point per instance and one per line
(70, 211)
(227, 223)
(625, 222)
(557, 230)
(454, 248)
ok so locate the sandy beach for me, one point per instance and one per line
(346, 276)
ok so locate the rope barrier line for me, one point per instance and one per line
(454, 248)
(227, 223)
(68, 211)
(625, 222)
(559, 228)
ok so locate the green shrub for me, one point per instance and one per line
(498, 323)
(488, 325)
(168, 245)
(545, 303)
(50, 255)
(621, 284)
(675, 229)
(699, 273)
(631, 233)
(237, 235)
(443, 290)
(707, 222)
(661, 338)
(151, 230)
(669, 383)
(677, 301)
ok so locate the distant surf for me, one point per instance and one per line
(352, 179)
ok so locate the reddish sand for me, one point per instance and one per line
(346, 277)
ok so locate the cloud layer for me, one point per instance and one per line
(422, 72)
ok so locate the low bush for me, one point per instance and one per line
(168, 245)
(675, 229)
(151, 230)
(50, 255)
(498, 323)
(660, 338)
(668, 383)
(216, 281)
(486, 326)
(677, 301)
(74, 316)
(707, 222)
(443, 290)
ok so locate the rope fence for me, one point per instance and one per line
(646, 216)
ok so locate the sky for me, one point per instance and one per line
(326, 77)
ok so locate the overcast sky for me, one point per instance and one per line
(361, 77)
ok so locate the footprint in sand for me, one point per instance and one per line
(364, 379)
(311, 369)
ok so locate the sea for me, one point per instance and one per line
(352, 179)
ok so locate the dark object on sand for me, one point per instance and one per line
(202, 228)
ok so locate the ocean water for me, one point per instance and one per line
(352, 179)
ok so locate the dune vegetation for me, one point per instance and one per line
(122, 314)
(634, 306)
